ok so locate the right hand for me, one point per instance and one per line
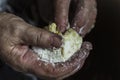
(15, 38)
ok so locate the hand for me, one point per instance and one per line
(80, 14)
(15, 47)
(15, 38)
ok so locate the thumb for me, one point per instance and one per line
(39, 37)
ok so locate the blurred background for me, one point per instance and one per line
(103, 62)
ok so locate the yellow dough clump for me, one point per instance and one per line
(71, 43)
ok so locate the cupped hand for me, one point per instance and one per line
(17, 36)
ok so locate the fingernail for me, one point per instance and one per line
(56, 41)
(62, 30)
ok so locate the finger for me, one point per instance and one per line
(42, 38)
(23, 59)
(30, 35)
(61, 14)
(62, 69)
(85, 16)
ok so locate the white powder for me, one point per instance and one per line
(71, 44)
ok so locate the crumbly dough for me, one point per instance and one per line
(71, 43)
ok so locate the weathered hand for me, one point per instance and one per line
(16, 37)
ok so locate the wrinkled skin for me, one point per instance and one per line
(17, 36)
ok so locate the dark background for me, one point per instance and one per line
(104, 61)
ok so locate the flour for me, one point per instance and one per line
(71, 43)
